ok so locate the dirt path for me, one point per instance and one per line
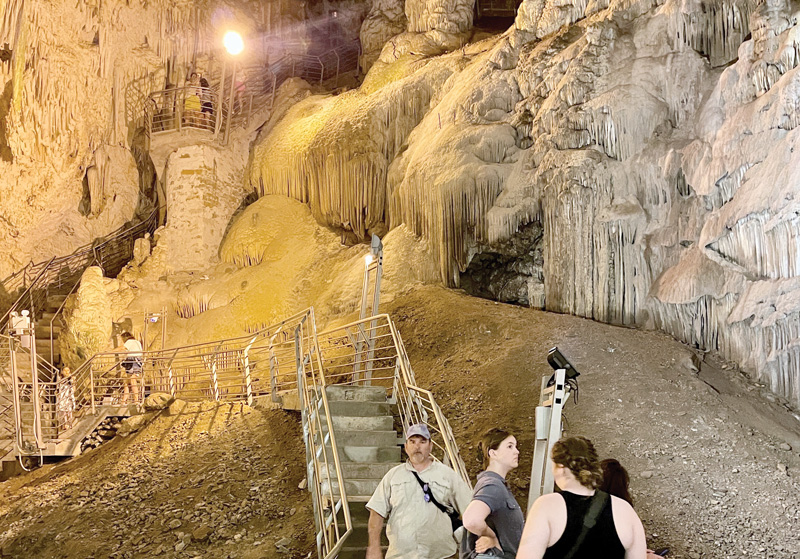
(714, 464)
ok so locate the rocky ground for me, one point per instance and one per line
(209, 481)
(713, 458)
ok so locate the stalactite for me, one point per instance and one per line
(343, 180)
(762, 251)
(192, 304)
(716, 30)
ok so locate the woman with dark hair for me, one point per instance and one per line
(207, 109)
(616, 481)
(493, 517)
(581, 522)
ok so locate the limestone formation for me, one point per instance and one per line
(651, 143)
(89, 319)
(385, 19)
(57, 144)
(447, 16)
(201, 200)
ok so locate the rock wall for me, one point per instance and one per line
(202, 195)
(56, 145)
(74, 77)
(652, 142)
(89, 317)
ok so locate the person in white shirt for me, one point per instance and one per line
(132, 367)
(416, 528)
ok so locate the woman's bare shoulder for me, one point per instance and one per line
(548, 501)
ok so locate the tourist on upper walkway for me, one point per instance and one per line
(581, 522)
(493, 518)
(192, 105)
(407, 498)
(207, 107)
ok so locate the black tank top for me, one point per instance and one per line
(602, 541)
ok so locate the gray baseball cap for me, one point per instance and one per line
(418, 429)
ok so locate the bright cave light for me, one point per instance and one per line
(233, 42)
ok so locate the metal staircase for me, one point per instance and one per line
(32, 426)
(353, 385)
(368, 448)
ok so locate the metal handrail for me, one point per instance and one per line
(18, 303)
(59, 315)
(165, 110)
(371, 352)
(105, 253)
(329, 495)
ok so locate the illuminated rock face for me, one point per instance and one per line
(89, 315)
(651, 143)
(70, 75)
(200, 204)
(448, 16)
(385, 19)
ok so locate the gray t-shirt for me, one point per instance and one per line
(505, 518)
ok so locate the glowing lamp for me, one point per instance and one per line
(368, 259)
(233, 43)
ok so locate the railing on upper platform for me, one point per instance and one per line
(207, 108)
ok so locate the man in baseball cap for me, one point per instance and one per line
(415, 527)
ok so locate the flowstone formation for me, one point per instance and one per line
(274, 261)
(642, 151)
(89, 317)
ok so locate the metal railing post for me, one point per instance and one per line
(180, 100)
(247, 379)
(215, 384)
(91, 388)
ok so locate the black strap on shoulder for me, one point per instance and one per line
(426, 489)
(596, 506)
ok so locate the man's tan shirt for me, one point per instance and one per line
(416, 529)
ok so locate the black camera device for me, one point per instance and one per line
(557, 361)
